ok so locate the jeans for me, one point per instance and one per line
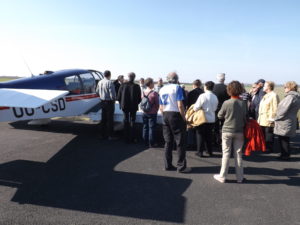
(232, 141)
(174, 130)
(149, 124)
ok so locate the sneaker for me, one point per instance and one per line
(241, 181)
(211, 154)
(170, 168)
(219, 178)
(185, 170)
(199, 154)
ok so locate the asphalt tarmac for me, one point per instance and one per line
(64, 173)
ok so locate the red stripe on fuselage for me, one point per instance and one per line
(2, 108)
(81, 97)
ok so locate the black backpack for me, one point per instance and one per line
(146, 105)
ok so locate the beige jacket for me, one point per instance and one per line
(195, 118)
(267, 109)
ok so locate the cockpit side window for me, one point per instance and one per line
(73, 84)
(97, 75)
(89, 84)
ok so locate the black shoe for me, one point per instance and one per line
(103, 138)
(153, 145)
(284, 158)
(200, 154)
(112, 138)
(211, 154)
(268, 151)
(170, 168)
(185, 170)
(190, 147)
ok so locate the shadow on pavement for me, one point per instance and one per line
(81, 176)
(291, 175)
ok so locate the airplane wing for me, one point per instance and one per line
(28, 98)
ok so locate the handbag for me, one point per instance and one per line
(195, 118)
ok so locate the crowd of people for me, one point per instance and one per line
(227, 109)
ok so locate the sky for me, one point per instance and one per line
(247, 40)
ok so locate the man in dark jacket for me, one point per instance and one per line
(118, 82)
(220, 90)
(194, 94)
(129, 97)
(254, 105)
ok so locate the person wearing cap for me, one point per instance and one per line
(107, 94)
(266, 113)
(129, 97)
(252, 92)
(257, 97)
(222, 95)
(172, 108)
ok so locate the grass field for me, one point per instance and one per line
(5, 79)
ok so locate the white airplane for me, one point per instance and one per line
(54, 94)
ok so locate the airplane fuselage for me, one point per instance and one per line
(71, 105)
(82, 96)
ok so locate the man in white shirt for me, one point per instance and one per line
(171, 105)
(208, 102)
(107, 94)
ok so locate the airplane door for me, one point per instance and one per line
(97, 75)
(88, 82)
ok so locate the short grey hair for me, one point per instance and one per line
(172, 78)
(221, 77)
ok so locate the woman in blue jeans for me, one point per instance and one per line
(150, 117)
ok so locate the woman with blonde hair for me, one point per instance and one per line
(286, 118)
(267, 112)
